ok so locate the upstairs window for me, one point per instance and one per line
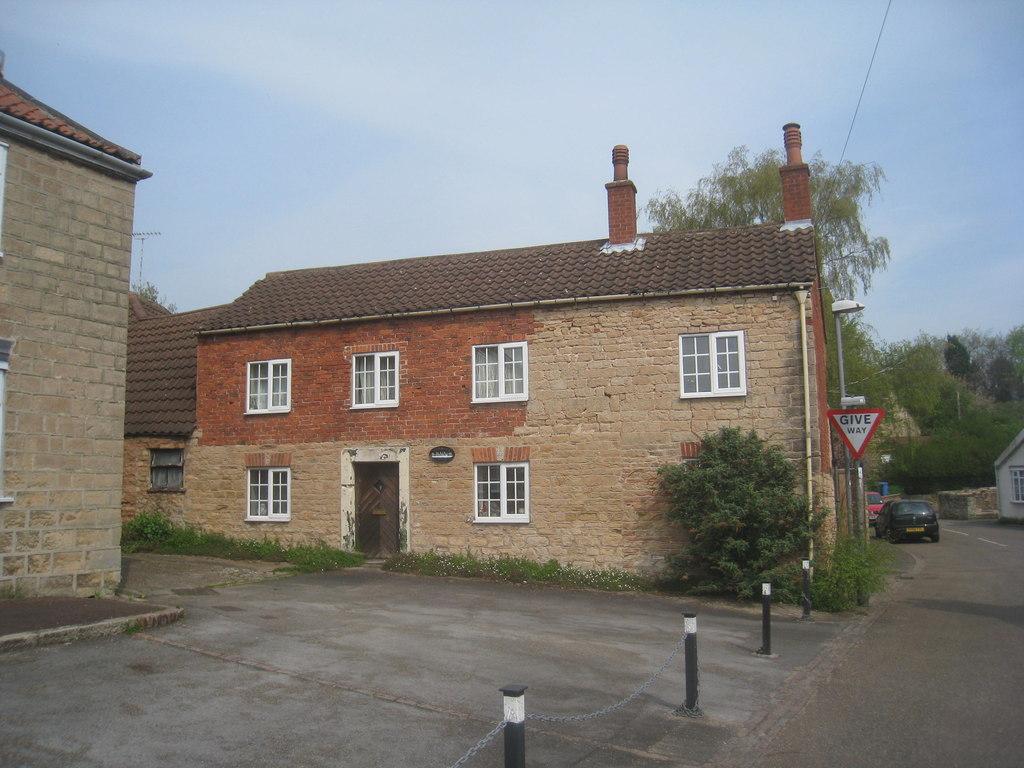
(500, 372)
(166, 469)
(375, 380)
(503, 493)
(712, 364)
(269, 386)
(269, 494)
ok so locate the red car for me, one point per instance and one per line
(875, 502)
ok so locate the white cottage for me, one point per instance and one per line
(1010, 480)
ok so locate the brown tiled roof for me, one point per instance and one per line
(160, 396)
(671, 262)
(17, 103)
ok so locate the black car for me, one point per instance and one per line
(907, 519)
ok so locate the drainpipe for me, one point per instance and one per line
(801, 297)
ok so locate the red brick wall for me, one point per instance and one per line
(435, 381)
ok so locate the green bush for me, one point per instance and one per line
(145, 530)
(745, 522)
(854, 568)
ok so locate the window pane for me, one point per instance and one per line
(165, 457)
(486, 371)
(696, 363)
(513, 370)
(728, 359)
(259, 375)
(258, 492)
(488, 490)
(363, 380)
(280, 492)
(515, 490)
(388, 378)
(280, 386)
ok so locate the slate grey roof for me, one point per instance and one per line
(670, 262)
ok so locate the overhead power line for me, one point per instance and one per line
(864, 87)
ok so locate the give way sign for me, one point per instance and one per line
(856, 426)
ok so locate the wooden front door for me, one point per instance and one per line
(377, 508)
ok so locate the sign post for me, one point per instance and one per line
(856, 426)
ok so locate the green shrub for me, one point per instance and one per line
(854, 568)
(147, 529)
(746, 524)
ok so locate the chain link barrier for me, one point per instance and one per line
(619, 704)
(577, 718)
(480, 744)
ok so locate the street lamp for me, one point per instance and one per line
(846, 307)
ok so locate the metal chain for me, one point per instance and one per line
(618, 705)
(480, 744)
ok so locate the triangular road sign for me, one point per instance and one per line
(856, 426)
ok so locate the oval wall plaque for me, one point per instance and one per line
(442, 454)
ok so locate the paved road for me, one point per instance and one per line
(937, 680)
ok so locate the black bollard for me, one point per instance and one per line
(514, 705)
(807, 592)
(766, 620)
(690, 708)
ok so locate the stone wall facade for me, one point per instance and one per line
(968, 505)
(63, 303)
(604, 412)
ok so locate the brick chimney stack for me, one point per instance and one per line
(621, 200)
(796, 178)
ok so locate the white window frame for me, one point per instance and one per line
(1017, 485)
(166, 467)
(713, 364)
(380, 392)
(275, 400)
(498, 491)
(5, 353)
(504, 389)
(3, 184)
(268, 503)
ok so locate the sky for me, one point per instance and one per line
(313, 133)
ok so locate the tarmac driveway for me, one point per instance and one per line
(367, 668)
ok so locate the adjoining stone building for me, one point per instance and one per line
(508, 402)
(67, 199)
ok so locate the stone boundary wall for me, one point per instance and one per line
(979, 503)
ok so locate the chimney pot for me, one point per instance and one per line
(620, 162)
(793, 142)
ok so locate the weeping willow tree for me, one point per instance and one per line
(746, 190)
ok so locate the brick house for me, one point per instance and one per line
(67, 199)
(516, 401)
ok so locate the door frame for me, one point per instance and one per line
(373, 455)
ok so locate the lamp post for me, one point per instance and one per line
(846, 307)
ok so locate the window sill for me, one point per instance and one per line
(268, 519)
(6, 499)
(268, 412)
(700, 395)
(499, 400)
(166, 490)
(372, 406)
(499, 521)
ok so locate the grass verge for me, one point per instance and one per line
(518, 570)
(154, 532)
